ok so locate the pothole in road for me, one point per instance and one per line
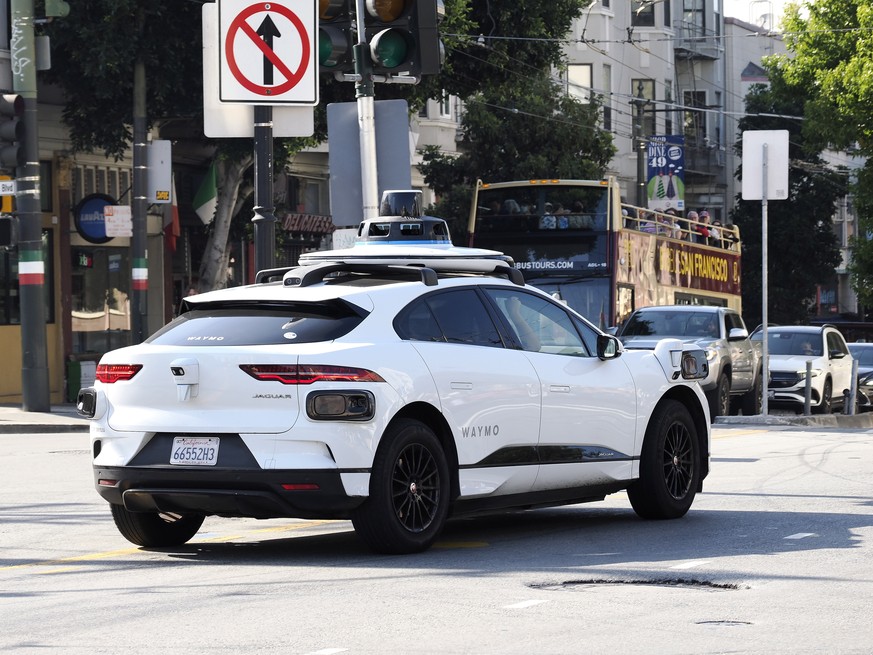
(690, 583)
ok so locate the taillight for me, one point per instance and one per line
(110, 373)
(309, 373)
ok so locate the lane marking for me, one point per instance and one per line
(136, 550)
(460, 544)
(523, 604)
(801, 535)
(692, 564)
(328, 651)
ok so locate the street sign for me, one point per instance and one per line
(118, 221)
(233, 119)
(7, 187)
(267, 52)
(159, 158)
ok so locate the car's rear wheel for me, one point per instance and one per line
(154, 529)
(409, 491)
(720, 397)
(669, 465)
(827, 399)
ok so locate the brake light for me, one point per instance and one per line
(309, 373)
(109, 373)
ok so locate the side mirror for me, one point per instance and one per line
(608, 347)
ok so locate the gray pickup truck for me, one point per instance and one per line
(734, 379)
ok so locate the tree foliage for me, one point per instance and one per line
(801, 245)
(831, 61)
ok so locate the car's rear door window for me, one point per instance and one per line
(456, 316)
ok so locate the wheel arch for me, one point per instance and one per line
(434, 419)
(688, 398)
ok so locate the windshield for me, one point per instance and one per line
(794, 343)
(671, 324)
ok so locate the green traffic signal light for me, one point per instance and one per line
(335, 36)
(391, 48)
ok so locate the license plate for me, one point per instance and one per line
(194, 451)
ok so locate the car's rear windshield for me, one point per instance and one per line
(671, 324)
(252, 325)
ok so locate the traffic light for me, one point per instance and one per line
(335, 36)
(8, 231)
(11, 130)
(403, 36)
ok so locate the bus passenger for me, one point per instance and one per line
(547, 220)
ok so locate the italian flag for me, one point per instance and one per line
(206, 199)
(31, 269)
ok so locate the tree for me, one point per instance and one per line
(832, 62)
(802, 247)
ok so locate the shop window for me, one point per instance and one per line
(100, 304)
(10, 299)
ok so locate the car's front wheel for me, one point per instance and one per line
(409, 491)
(153, 529)
(753, 399)
(669, 464)
(720, 397)
(827, 399)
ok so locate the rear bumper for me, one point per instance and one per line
(225, 492)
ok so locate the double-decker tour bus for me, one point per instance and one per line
(576, 240)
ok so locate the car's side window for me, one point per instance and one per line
(463, 318)
(418, 323)
(455, 316)
(836, 344)
(540, 325)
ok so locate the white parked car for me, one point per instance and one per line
(790, 348)
(394, 390)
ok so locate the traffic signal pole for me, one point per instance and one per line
(365, 94)
(35, 391)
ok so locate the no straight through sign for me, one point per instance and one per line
(267, 52)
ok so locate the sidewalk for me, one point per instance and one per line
(61, 418)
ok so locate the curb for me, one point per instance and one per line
(857, 421)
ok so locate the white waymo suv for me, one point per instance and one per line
(393, 386)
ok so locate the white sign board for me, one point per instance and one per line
(776, 142)
(159, 158)
(223, 120)
(268, 52)
(118, 221)
(7, 187)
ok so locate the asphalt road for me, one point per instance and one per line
(774, 557)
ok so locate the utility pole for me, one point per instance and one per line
(139, 269)
(640, 142)
(35, 390)
(365, 94)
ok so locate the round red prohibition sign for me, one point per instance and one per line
(239, 25)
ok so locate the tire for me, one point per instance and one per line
(669, 465)
(753, 399)
(826, 405)
(153, 529)
(409, 491)
(720, 398)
